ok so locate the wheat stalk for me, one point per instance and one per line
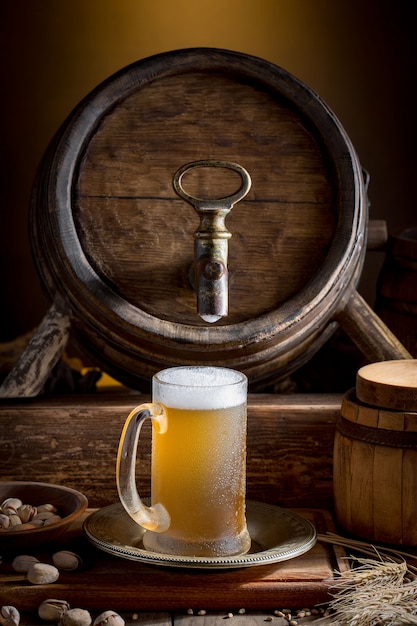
(380, 591)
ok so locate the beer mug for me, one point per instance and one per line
(198, 473)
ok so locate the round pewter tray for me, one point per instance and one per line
(277, 535)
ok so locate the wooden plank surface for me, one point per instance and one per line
(200, 618)
(73, 441)
(107, 581)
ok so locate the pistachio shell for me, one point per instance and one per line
(66, 560)
(22, 562)
(53, 519)
(50, 508)
(42, 515)
(19, 527)
(11, 504)
(14, 519)
(4, 521)
(109, 618)
(42, 574)
(9, 616)
(52, 610)
(26, 512)
(76, 617)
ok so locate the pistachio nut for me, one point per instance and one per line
(14, 520)
(76, 617)
(42, 574)
(9, 616)
(66, 560)
(53, 519)
(4, 521)
(26, 512)
(19, 527)
(49, 508)
(11, 504)
(52, 610)
(22, 562)
(42, 515)
(109, 618)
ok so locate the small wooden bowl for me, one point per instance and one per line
(69, 503)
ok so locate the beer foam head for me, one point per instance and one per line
(201, 387)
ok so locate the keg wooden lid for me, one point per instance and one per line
(389, 384)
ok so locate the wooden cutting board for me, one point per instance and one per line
(111, 582)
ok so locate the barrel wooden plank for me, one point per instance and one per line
(375, 471)
(408, 491)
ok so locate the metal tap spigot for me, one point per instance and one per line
(211, 240)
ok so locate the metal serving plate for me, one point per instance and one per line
(277, 535)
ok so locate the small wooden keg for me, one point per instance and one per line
(375, 455)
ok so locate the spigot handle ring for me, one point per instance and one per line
(215, 203)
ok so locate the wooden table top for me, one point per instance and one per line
(155, 594)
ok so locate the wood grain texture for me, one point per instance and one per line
(40, 355)
(389, 385)
(375, 472)
(74, 442)
(108, 581)
(372, 336)
(111, 236)
(209, 618)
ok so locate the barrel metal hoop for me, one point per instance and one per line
(377, 436)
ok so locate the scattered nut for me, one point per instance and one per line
(42, 574)
(52, 610)
(76, 617)
(66, 560)
(22, 562)
(109, 618)
(9, 616)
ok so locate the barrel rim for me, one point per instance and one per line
(63, 162)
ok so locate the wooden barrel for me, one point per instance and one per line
(396, 302)
(375, 455)
(114, 242)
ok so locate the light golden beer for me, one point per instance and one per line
(198, 478)
(198, 475)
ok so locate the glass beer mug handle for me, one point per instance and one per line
(156, 517)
